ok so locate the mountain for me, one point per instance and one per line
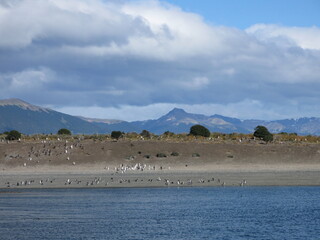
(30, 119)
(179, 121)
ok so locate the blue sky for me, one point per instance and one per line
(138, 59)
(244, 13)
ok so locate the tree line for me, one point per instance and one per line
(261, 132)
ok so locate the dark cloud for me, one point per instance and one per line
(120, 55)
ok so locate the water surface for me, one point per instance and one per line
(161, 213)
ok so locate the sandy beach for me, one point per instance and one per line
(89, 163)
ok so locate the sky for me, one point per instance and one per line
(137, 60)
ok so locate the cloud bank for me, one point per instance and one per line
(137, 59)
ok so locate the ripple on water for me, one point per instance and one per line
(162, 213)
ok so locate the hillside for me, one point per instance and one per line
(30, 119)
(179, 121)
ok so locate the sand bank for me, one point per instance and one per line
(89, 163)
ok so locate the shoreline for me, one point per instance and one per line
(23, 180)
(88, 163)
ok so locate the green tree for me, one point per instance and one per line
(199, 130)
(263, 133)
(13, 135)
(116, 134)
(64, 131)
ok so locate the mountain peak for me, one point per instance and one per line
(174, 114)
(21, 104)
(177, 111)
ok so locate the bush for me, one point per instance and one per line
(263, 133)
(161, 155)
(168, 134)
(175, 154)
(116, 134)
(145, 134)
(13, 135)
(64, 131)
(199, 130)
(131, 135)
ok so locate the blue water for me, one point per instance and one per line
(162, 213)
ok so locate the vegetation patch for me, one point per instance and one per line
(145, 134)
(175, 154)
(168, 134)
(116, 134)
(161, 155)
(263, 133)
(199, 130)
(13, 135)
(64, 131)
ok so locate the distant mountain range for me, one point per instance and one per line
(29, 119)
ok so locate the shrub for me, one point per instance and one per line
(116, 134)
(175, 154)
(64, 131)
(131, 135)
(263, 133)
(161, 155)
(145, 134)
(199, 130)
(168, 134)
(13, 135)
(195, 155)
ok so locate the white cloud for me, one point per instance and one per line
(195, 83)
(306, 38)
(64, 22)
(27, 80)
(246, 109)
(141, 55)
